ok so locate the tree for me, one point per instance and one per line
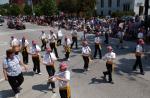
(49, 7)
(38, 10)
(14, 10)
(28, 10)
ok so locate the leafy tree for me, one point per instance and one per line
(37, 10)
(14, 10)
(28, 10)
(49, 7)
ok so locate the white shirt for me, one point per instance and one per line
(139, 48)
(74, 33)
(65, 75)
(43, 36)
(14, 42)
(48, 58)
(52, 38)
(35, 49)
(67, 43)
(97, 40)
(86, 51)
(60, 35)
(25, 44)
(109, 56)
(140, 35)
(12, 67)
(120, 34)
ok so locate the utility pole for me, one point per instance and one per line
(146, 14)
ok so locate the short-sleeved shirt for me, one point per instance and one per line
(139, 48)
(65, 75)
(48, 58)
(110, 56)
(35, 49)
(86, 51)
(12, 67)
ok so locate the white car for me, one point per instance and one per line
(1, 24)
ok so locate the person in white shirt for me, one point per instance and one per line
(86, 52)
(34, 51)
(63, 78)
(109, 57)
(66, 45)
(138, 54)
(52, 38)
(24, 49)
(120, 36)
(15, 44)
(59, 36)
(98, 48)
(43, 40)
(48, 60)
(74, 38)
(12, 71)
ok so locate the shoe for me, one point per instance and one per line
(39, 73)
(53, 90)
(111, 82)
(17, 95)
(68, 59)
(142, 73)
(19, 88)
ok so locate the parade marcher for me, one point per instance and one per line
(109, 57)
(59, 36)
(43, 40)
(97, 45)
(67, 43)
(84, 36)
(120, 36)
(52, 39)
(34, 51)
(86, 52)
(12, 71)
(74, 38)
(48, 60)
(63, 78)
(24, 49)
(15, 44)
(107, 36)
(138, 54)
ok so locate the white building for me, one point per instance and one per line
(106, 7)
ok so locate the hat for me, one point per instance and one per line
(48, 49)
(34, 42)
(109, 48)
(63, 66)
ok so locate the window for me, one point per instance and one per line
(118, 3)
(109, 3)
(126, 7)
(102, 13)
(102, 3)
(109, 12)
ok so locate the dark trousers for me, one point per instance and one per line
(67, 55)
(86, 62)
(64, 93)
(43, 44)
(58, 42)
(97, 48)
(74, 39)
(36, 63)
(25, 57)
(53, 47)
(138, 62)
(109, 71)
(15, 82)
(51, 72)
(106, 39)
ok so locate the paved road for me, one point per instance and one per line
(83, 85)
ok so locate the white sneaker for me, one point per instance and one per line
(39, 73)
(17, 96)
(68, 59)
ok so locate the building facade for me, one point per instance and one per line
(106, 7)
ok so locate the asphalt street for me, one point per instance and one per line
(127, 84)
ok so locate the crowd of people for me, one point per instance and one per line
(99, 27)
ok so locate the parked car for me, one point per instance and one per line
(1, 19)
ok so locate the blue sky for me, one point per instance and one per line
(3, 1)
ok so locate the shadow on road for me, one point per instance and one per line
(97, 81)
(78, 70)
(28, 73)
(40, 87)
(6, 93)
